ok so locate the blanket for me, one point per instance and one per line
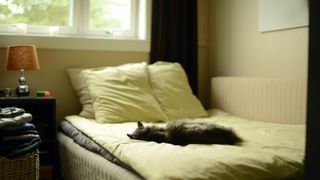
(269, 150)
(89, 144)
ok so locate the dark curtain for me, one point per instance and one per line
(174, 35)
(312, 158)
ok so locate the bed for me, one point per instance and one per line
(268, 114)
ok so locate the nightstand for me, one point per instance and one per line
(43, 110)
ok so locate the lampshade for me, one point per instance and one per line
(22, 57)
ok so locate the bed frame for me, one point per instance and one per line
(261, 99)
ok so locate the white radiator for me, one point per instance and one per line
(262, 99)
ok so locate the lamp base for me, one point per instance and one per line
(22, 90)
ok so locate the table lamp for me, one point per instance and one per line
(22, 58)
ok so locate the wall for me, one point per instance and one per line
(237, 48)
(53, 77)
(203, 86)
(229, 44)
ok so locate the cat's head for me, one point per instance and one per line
(141, 133)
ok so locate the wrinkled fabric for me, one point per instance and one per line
(10, 112)
(17, 120)
(21, 148)
(17, 135)
(269, 151)
(14, 129)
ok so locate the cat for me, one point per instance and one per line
(186, 132)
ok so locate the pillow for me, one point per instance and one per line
(172, 90)
(123, 93)
(80, 86)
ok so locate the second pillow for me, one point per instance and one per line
(123, 93)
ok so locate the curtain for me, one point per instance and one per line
(312, 158)
(174, 35)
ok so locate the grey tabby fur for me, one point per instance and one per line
(186, 132)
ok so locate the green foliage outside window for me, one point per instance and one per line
(103, 13)
(35, 12)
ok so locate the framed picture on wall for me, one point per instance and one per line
(282, 14)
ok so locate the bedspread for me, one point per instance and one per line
(269, 150)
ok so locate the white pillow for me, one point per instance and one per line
(123, 93)
(171, 88)
(79, 84)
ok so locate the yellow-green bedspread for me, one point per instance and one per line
(270, 150)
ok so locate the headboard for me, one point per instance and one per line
(262, 99)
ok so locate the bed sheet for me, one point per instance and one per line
(269, 150)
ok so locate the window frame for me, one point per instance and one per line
(81, 41)
(132, 32)
(11, 29)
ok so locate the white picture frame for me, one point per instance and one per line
(282, 14)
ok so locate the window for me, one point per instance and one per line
(67, 17)
(112, 17)
(33, 16)
(93, 19)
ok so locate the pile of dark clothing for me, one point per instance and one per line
(17, 135)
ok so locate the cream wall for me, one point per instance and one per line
(229, 44)
(237, 48)
(52, 75)
(203, 86)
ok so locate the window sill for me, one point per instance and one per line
(77, 43)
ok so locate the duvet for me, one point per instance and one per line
(269, 151)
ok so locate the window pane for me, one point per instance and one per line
(110, 14)
(35, 12)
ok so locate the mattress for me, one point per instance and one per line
(270, 150)
(78, 163)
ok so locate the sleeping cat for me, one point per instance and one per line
(186, 132)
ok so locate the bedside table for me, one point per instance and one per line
(43, 110)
